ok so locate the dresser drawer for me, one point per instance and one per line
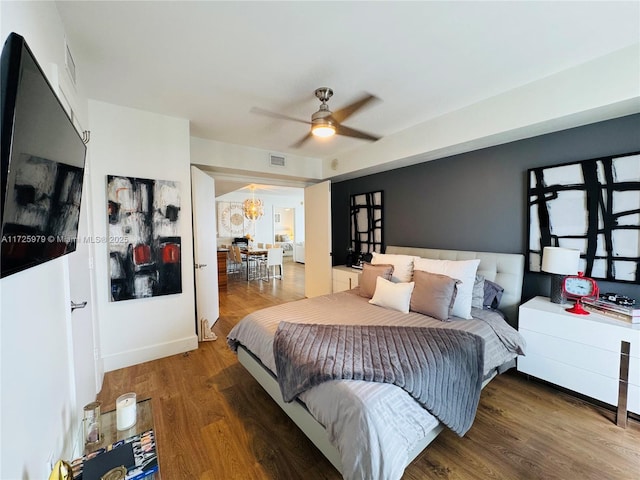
(579, 380)
(551, 319)
(586, 357)
(580, 353)
(344, 278)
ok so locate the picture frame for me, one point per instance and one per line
(367, 220)
(592, 206)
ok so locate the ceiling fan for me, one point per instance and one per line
(324, 122)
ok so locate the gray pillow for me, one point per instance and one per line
(477, 297)
(433, 294)
(369, 277)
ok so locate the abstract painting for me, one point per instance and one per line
(592, 206)
(366, 223)
(144, 242)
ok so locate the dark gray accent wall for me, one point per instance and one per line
(478, 200)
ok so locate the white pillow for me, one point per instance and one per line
(463, 270)
(402, 265)
(396, 296)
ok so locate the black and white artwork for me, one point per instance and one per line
(592, 206)
(41, 212)
(366, 223)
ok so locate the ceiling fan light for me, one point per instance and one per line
(325, 130)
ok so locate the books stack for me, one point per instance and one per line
(143, 462)
(627, 313)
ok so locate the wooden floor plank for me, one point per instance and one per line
(213, 421)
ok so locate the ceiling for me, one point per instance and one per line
(211, 62)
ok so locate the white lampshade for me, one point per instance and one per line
(561, 261)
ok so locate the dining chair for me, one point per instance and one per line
(239, 258)
(235, 262)
(274, 259)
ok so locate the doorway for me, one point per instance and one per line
(284, 224)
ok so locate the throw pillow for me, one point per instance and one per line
(369, 275)
(396, 296)
(463, 270)
(492, 294)
(433, 294)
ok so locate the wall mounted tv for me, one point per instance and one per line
(42, 171)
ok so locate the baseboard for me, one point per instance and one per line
(150, 352)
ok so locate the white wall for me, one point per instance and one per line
(264, 225)
(38, 414)
(135, 143)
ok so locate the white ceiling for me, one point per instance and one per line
(211, 62)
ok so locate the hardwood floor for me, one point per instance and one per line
(213, 421)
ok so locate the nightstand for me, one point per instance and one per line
(345, 278)
(581, 352)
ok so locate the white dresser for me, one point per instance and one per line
(345, 278)
(579, 352)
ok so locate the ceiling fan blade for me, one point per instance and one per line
(350, 132)
(279, 116)
(301, 142)
(344, 113)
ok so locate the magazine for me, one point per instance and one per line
(144, 454)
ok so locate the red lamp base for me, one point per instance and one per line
(577, 309)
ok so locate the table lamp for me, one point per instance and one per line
(560, 262)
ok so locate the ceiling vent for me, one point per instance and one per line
(276, 161)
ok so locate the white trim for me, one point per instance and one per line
(151, 352)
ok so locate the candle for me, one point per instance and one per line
(126, 411)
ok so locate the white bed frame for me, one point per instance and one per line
(505, 269)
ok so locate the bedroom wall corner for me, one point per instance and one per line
(134, 143)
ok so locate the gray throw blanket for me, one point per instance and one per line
(441, 368)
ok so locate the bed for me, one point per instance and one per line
(284, 242)
(369, 429)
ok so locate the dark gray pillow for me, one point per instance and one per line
(492, 294)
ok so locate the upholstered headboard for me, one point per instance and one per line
(505, 269)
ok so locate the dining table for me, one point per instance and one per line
(256, 254)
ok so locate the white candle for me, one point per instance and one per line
(126, 411)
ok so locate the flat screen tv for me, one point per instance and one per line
(43, 159)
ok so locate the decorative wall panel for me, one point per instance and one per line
(231, 220)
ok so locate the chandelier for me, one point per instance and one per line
(253, 209)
